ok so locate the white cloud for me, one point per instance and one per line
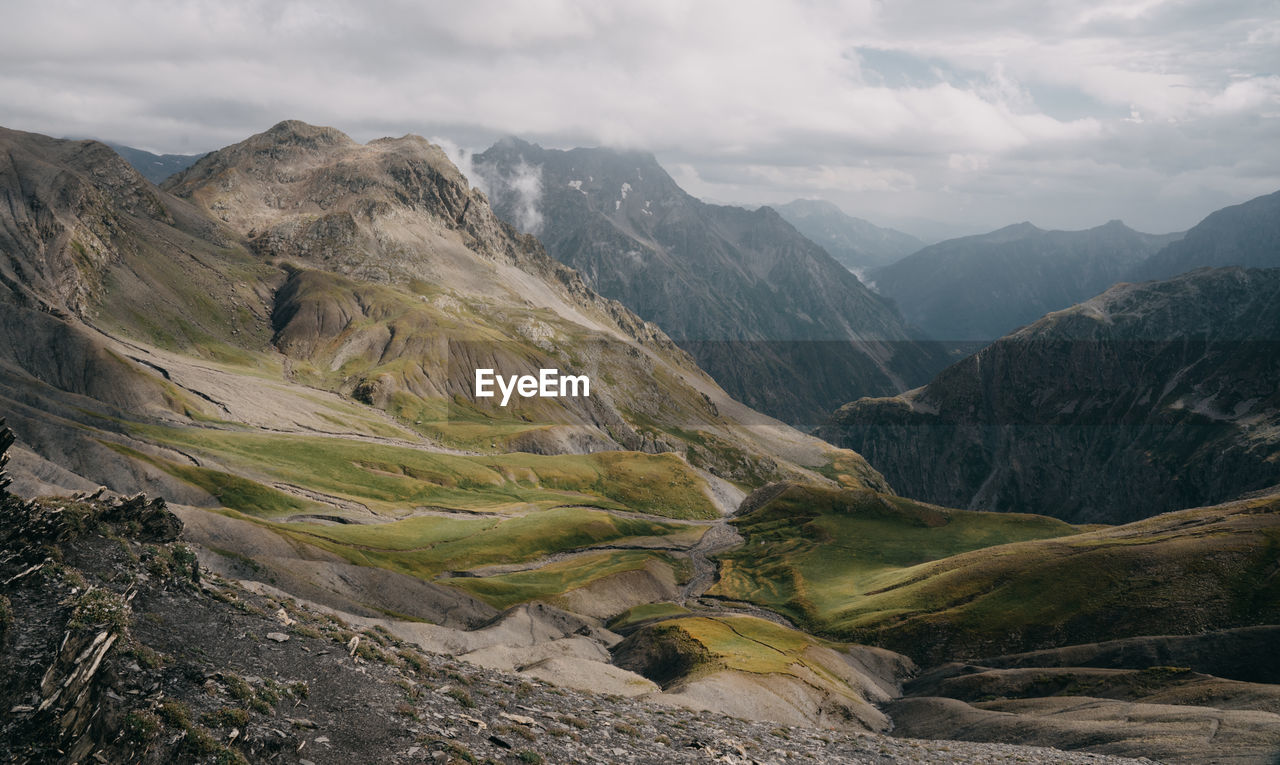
(762, 98)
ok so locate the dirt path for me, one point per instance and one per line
(718, 538)
(645, 516)
(707, 607)
(424, 444)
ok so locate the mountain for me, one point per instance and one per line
(1148, 398)
(154, 167)
(358, 558)
(1242, 235)
(978, 288)
(858, 244)
(369, 271)
(282, 341)
(769, 314)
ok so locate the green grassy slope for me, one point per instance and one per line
(393, 479)
(810, 551)
(549, 581)
(684, 648)
(934, 583)
(429, 546)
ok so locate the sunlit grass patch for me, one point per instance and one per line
(231, 491)
(547, 582)
(394, 479)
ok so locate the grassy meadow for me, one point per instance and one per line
(393, 479)
(932, 583)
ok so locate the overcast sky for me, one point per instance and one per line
(977, 114)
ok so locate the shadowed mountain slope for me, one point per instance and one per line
(770, 315)
(1148, 398)
(1246, 234)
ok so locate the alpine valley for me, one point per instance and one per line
(251, 509)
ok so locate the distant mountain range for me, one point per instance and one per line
(155, 167)
(1246, 234)
(1148, 398)
(977, 288)
(856, 243)
(768, 313)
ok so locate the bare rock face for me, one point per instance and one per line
(1149, 398)
(392, 210)
(6, 440)
(152, 520)
(65, 217)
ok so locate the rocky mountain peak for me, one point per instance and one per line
(809, 207)
(605, 180)
(273, 154)
(295, 177)
(1023, 229)
(298, 133)
(977, 288)
(92, 164)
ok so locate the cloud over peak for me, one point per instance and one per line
(989, 112)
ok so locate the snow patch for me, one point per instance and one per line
(577, 186)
